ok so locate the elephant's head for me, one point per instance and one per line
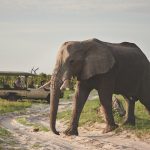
(81, 59)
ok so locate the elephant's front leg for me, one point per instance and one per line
(81, 95)
(106, 102)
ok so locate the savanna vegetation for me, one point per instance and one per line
(89, 116)
(6, 107)
(26, 122)
(11, 106)
(5, 138)
(38, 79)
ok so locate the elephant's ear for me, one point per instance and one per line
(98, 59)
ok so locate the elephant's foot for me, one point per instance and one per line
(71, 131)
(129, 122)
(110, 128)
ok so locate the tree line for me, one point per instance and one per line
(38, 80)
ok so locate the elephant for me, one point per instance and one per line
(110, 68)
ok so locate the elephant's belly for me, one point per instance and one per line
(128, 85)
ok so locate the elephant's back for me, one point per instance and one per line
(128, 53)
(131, 64)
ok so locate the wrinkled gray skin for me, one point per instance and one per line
(109, 68)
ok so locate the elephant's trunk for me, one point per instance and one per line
(54, 101)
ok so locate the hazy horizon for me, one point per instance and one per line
(31, 31)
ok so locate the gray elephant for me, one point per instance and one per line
(107, 67)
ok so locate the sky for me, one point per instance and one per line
(31, 31)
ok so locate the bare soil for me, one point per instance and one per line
(91, 137)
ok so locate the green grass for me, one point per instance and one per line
(142, 127)
(6, 107)
(4, 132)
(89, 116)
(25, 122)
(67, 94)
(11, 106)
(36, 145)
(6, 138)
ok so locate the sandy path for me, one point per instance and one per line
(90, 137)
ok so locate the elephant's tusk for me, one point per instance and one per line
(65, 85)
(47, 83)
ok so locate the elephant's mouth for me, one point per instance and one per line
(65, 84)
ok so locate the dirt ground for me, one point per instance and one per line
(24, 138)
